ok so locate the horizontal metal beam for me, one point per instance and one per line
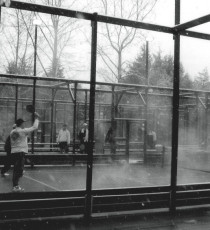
(193, 23)
(50, 10)
(193, 34)
(15, 76)
(134, 24)
(121, 90)
(116, 21)
(58, 85)
(87, 16)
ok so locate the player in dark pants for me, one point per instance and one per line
(110, 139)
(19, 147)
(83, 137)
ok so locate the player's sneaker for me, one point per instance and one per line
(4, 174)
(17, 189)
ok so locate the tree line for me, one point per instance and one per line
(58, 38)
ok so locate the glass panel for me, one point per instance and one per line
(193, 155)
(133, 125)
(61, 52)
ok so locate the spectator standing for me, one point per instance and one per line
(111, 139)
(83, 137)
(63, 139)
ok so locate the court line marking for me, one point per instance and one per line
(40, 182)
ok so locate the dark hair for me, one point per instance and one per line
(19, 122)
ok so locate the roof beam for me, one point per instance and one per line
(193, 23)
(134, 24)
(59, 84)
(193, 34)
(117, 21)
(87, 16)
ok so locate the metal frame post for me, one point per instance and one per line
(75, 120)
(52, 119)
(175, 109)
(145, 126)
(206, 121)
(33, 115)
(85, 105)
(146, 101)
(88, 206)
(16, 101)
(55, 118)
(113, 122)
(34, 88)
(186, 124)
(197, 119)
(147, 63)
(127, 140)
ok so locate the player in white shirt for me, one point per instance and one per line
(19, 147)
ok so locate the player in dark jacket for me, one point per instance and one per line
(7, 149)
(83, 137)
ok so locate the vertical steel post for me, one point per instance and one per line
(55, 119)
(206, 122)
(52, 119)
(147, 63)
(64, 111)
(0, 14)
(113, 122)
(127, 140)
(16, 102)
(88, 207)
(34, 87)
(197, 119)
(146, 101)
(175, 115)
(75, 120)
(145, 126)
(34, 104)
(85, 105)
(186, 124)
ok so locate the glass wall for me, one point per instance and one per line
(193, 157)
(132, 101)
(133, 121)
(49, 47)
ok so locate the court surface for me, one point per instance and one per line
(193, 167)
(113, 175)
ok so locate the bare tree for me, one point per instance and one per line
(58, 34)
(119, 38)
(16, 48)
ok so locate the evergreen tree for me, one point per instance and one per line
(136, 73)
(201, 81)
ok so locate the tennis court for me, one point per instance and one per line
(193, 167)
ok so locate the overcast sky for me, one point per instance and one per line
(195, 53)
